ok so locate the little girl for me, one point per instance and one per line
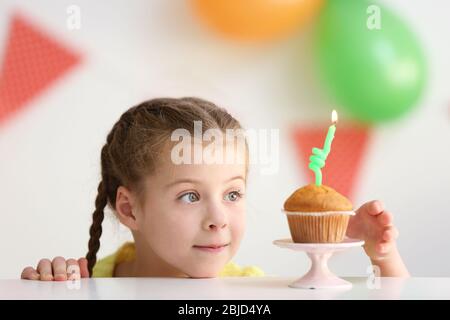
(187, 220)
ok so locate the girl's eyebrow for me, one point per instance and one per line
(194, 181)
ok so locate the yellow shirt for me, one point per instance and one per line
(104, 268)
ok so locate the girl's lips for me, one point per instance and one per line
(213, 249)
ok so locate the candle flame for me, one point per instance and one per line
(334, 117)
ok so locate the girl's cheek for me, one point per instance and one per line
(183, 226)
(238, 216)
(238, 225)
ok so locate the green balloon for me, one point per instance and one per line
(376, 72)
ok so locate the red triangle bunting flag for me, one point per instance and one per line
(32, 61)
(345, 159)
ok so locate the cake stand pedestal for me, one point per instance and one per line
(319, 276)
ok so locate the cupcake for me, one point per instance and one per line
(317, 214)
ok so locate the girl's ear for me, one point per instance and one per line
(125, 206)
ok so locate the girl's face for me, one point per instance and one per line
(194, 215)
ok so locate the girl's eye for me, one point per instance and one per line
(233, 196)
(189, 197)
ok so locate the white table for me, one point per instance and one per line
(253, 288)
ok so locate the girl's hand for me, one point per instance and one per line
(59, 269)
(374, 225)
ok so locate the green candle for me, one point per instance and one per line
(318, 157)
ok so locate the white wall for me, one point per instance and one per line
(134, 50)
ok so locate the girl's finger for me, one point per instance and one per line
(373, 208)
(59, 269)
(73, 270)
(83, 263)
(29, 273)
(385, 218)
(44, 268)
(390, 234)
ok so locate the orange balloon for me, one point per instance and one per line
(256, 20)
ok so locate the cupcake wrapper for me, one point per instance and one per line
(329, 228)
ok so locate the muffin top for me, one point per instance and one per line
(313, 198)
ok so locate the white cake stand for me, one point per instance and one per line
(319, 276)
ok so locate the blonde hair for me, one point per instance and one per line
(134, 144)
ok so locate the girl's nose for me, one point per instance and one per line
(215, 219)
(214, 227)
